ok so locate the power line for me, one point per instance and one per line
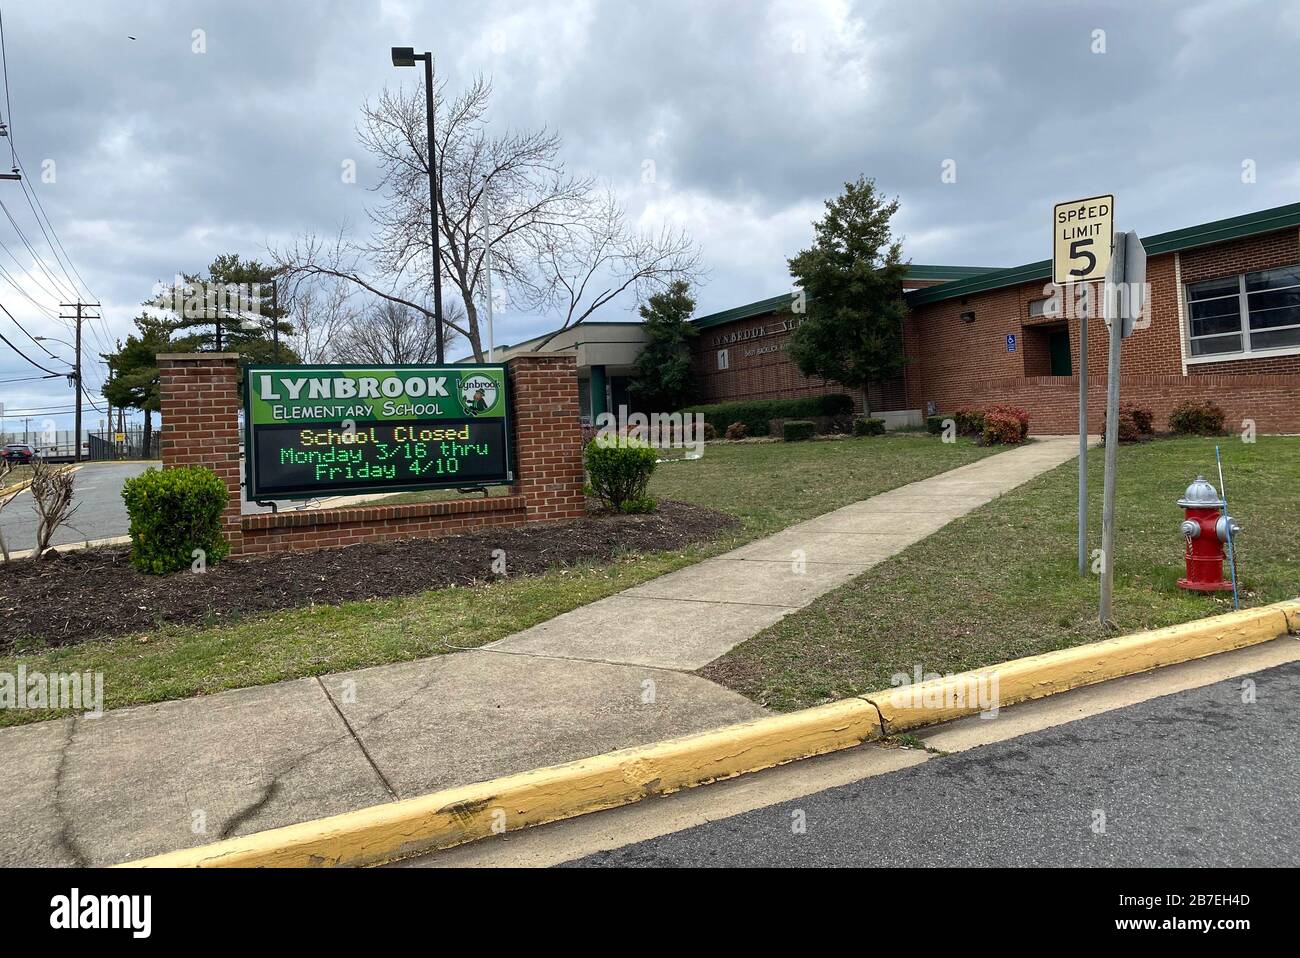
(4, 339)
(38, 343)
(31, 379)
(37, 258)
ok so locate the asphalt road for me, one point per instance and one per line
(100, 515)
(1194, 778)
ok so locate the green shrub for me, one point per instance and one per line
(934, 424)
(174, 512)
(862, 426)
(969, 421)
(1197, 418)
(641, 504)
(1002, 428)
(797, 430)
(757, 414)
(710, 433)
(736, 430)
(619, 469)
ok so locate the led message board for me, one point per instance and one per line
(339, 430)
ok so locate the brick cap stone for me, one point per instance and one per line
(196, 357)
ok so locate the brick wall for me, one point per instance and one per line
(200, 422)
(759, 366)
(548, 466)
(328, 528)
(200, 426)
(953, 363)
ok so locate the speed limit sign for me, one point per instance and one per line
(1081, 235)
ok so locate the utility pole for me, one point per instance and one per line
(80, 307)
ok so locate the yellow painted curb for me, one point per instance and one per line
(457, 815)
(1036, 676)
(453, 816)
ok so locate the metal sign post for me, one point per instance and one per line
(1109, 310)
(1081, 253)
(1121, 304)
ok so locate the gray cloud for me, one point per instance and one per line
(752, 113)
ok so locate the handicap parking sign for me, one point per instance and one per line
(1011, 342)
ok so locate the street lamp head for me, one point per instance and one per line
(403, 56)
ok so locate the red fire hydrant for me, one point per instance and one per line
(1205, 528)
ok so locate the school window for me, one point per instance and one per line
(723, 359)
(1038, 308)
(1245, 314)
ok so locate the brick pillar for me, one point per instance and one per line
(548, 435)
(200, 422)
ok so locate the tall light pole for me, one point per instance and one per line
(406, 57)
(487, 255)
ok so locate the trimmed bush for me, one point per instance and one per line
(619, 470)
(174, 512)
(1002, 429)
(1136, 423)
(1144, 419)
(710, 433)
(797, 430)
(1019, 415)
(862, 426)
(1197, 418)
(970, 422)
(757, 414)
(934, 424)
(737, 430)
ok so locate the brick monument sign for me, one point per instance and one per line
(200, 427)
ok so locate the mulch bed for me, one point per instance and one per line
(74, 596)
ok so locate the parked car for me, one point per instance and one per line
(18, 452)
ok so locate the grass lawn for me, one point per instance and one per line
(767, 485)
(16, 477)
(1002, 582)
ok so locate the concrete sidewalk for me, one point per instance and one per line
(150, 779)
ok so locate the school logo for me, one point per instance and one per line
(478, 395)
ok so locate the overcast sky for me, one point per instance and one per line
(752, 113)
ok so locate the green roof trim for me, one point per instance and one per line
(1190, 237)
(776, 304)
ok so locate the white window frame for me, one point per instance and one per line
(1243, 319)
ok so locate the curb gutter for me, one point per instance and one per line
(451, 817)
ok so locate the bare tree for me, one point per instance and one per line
(558, 243)
(320, 311)
(52, 495)
(592, 260)
(386, 333)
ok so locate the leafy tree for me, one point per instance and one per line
(662, 381)
(229, 308)
(133, 369)
(852, 279)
